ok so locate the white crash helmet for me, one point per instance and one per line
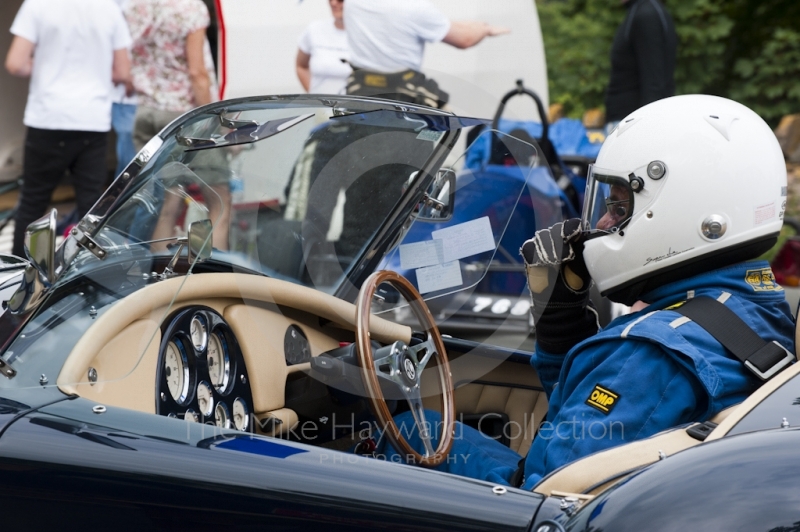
(683, 185)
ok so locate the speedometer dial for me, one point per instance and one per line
(176, 371)
(219, 363)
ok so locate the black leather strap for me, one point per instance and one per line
(763, 358)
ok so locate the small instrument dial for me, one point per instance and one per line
(198, 330)
(219, 363)
(222, 418)
(176, 371)
(205, 399)
(191, 416)
(241, 416)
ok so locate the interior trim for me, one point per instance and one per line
(152, 303)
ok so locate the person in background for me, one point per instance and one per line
(387, 42)
(74, 51)
(642, 60)
(322, 54)
(123, 113)
(173, 73)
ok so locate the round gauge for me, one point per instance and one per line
(176, 371)
(199, 332)
(222, 417)
(191, 416)
(219, 362)
(241, 417)
(205, 398)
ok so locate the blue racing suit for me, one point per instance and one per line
(644, 373)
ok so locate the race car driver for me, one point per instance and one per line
(686, 192)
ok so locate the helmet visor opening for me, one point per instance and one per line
(609, 202)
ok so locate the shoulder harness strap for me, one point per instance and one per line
(763, 358)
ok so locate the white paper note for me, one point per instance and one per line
(464, 240)
(439, 277)
(420, 254)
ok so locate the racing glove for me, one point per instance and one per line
(559, 283)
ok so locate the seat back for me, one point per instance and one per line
(594, 473)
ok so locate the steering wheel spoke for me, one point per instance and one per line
(414, 399)
(402, 365)
(422, 353)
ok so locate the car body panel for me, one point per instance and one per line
(159, 468)
(746, 482)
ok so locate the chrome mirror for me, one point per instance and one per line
(40, 245)
(438, 203)
(200, 240)
(39, 274)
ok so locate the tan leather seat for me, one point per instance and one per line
(593, 473)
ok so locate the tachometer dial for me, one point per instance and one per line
(205, 398)
(176, 371)
(241, 416)
(219, 362)
(199, 332)
(222, 418)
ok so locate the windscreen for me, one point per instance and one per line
(289, 191)
(497, 205)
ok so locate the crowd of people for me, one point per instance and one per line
(94, 65)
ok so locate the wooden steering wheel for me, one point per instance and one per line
(402, 366)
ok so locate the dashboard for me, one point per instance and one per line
(229, 349)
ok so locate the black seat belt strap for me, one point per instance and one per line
(763, 358)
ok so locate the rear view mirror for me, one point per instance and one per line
(40, 245)
(438, 203)
(40, 248)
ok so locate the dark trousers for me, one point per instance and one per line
(48, 154)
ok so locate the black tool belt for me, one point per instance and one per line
(406, 86)
(764, 359)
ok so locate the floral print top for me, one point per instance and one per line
(158, 57)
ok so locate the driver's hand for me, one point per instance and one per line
(557, 249)
(559, 284)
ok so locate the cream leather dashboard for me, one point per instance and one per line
(122, 347)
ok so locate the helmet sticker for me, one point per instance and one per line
(764, 213)
(762, 280)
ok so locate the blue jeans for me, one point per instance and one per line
(122, 118)
(473, 454)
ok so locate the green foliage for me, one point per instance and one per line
(747, 50)
(577, 38)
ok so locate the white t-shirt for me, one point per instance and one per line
(327, 46)
(120, 95)
(71, 86)
(390, 35)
